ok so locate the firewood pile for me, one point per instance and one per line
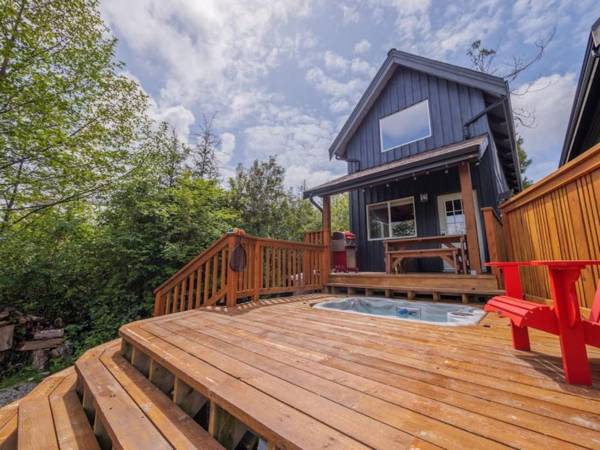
(29, 339)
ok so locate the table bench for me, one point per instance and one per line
(448, 254)
(452, 250)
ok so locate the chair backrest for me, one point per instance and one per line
(595, 313)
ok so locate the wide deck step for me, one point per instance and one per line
(128, 411)
(102, 402)
(49, 417)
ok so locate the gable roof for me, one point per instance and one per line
(490, 84)
(586, 98)
(496, 93)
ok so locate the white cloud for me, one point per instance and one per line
(216, 55)
(362, 46)
(225, 153)
(178, 117)
(550, 98)
(339, 106)
(350, 14)
(334, 61)
(361, 66)
(224, 156)
(421, 28)
(205, 48)
(333, 87)
(299, 142)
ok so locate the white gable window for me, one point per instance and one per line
(406, 126)
(393, 219)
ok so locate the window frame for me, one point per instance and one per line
(410, 200)
(384, 150)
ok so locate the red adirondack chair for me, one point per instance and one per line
(562, 318)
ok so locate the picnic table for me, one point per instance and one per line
(563, 318)
(450, 248)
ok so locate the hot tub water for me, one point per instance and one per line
(436, 313)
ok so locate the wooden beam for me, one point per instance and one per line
(466, 191)
(326, 239)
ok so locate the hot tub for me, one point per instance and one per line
(434, 313)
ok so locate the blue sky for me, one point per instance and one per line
(283, 75)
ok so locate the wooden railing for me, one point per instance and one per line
(313, 237)
(557, 218)
(201, 282)
(272, 267)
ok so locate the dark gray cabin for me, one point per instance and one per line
(418, 122)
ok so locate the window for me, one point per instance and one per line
(406, 126)
(455, 217)
(393, 219)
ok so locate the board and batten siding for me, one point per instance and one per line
(450, 106)
(370, 253)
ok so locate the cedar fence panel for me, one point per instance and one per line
(557, 218)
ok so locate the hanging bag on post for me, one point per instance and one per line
(238, 258)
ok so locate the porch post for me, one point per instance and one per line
(466, 192)
(326, 230)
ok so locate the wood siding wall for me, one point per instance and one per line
(370, 253)
(450, 106)
(558, 218)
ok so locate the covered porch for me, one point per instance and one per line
(412, 216)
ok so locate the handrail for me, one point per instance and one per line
(202, 256)
(273, 266)
(200, 282)
(313, 237)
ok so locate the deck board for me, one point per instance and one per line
(408, 384)
(177, 427)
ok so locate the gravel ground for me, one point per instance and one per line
(9, 395)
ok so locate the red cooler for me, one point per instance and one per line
(343, 247)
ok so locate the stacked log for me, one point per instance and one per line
(29, 334)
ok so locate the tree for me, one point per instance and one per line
(259, 195)
(68, 118)
(524, 162)
(95, 267)
(166, 154)
(204, 164)
(484, 60)
(340, 212)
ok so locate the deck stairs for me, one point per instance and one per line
(106, 402)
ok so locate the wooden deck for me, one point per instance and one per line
(309, 378)
(410, 285)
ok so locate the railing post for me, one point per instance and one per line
(257, 270)
(158, 304)
(232, 276)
